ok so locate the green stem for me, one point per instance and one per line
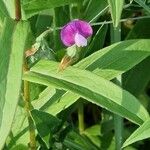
(118, 124)
(57, 23)
(111, 22)
(28, 108)
(118, 121)
(81, 117)
(115, 34)
(70, 12)
(80, 105)
(54, 27)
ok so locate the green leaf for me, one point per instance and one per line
(107, 63)
(98, 40)
(33, 7)
(46, 125)
(20, 147)
(18, 130)
(94, 9)
(116, 10)
(54, 101)
(48, 97)
(93, 133)
(143, 132)
(114, 60)
(137, 78)
(43, 21)
(142, 4)
(10, 6)
(3, 12)
(59, 13)
(93, 130)
(77, 142)
(12, 44)
(89, 86)
(140, 30)
(60, 102)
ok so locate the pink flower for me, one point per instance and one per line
(76, 32)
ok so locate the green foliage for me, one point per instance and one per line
(33, 7)
(77, 142)
(98, 40)
(95, 9)
(137, 78)
(116, 10)
(139, 134)
(3, 12)
(11, 66)
(10, 7)
(46, 125)
(48, 107)
(143, 4)
(45, 72)
(97, 62)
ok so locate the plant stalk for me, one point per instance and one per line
(28, 108)
(118, 120)
(26, 87)
(81, 117)
(81, 125)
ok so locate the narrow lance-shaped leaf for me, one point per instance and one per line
(12, 45)
(137, 78)
(114, 60)
(116, 7)
(143, 132)
(33, 7)
(98, 40)
(95, 9)
(10, 6)
(125, 54)
(143, 4)
(3, 12)
(48, 97)
(90, 86)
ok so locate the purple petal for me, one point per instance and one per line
(80, 40)
(76, 26)
(84, 28)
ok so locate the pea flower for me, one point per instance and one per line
(76, 32)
